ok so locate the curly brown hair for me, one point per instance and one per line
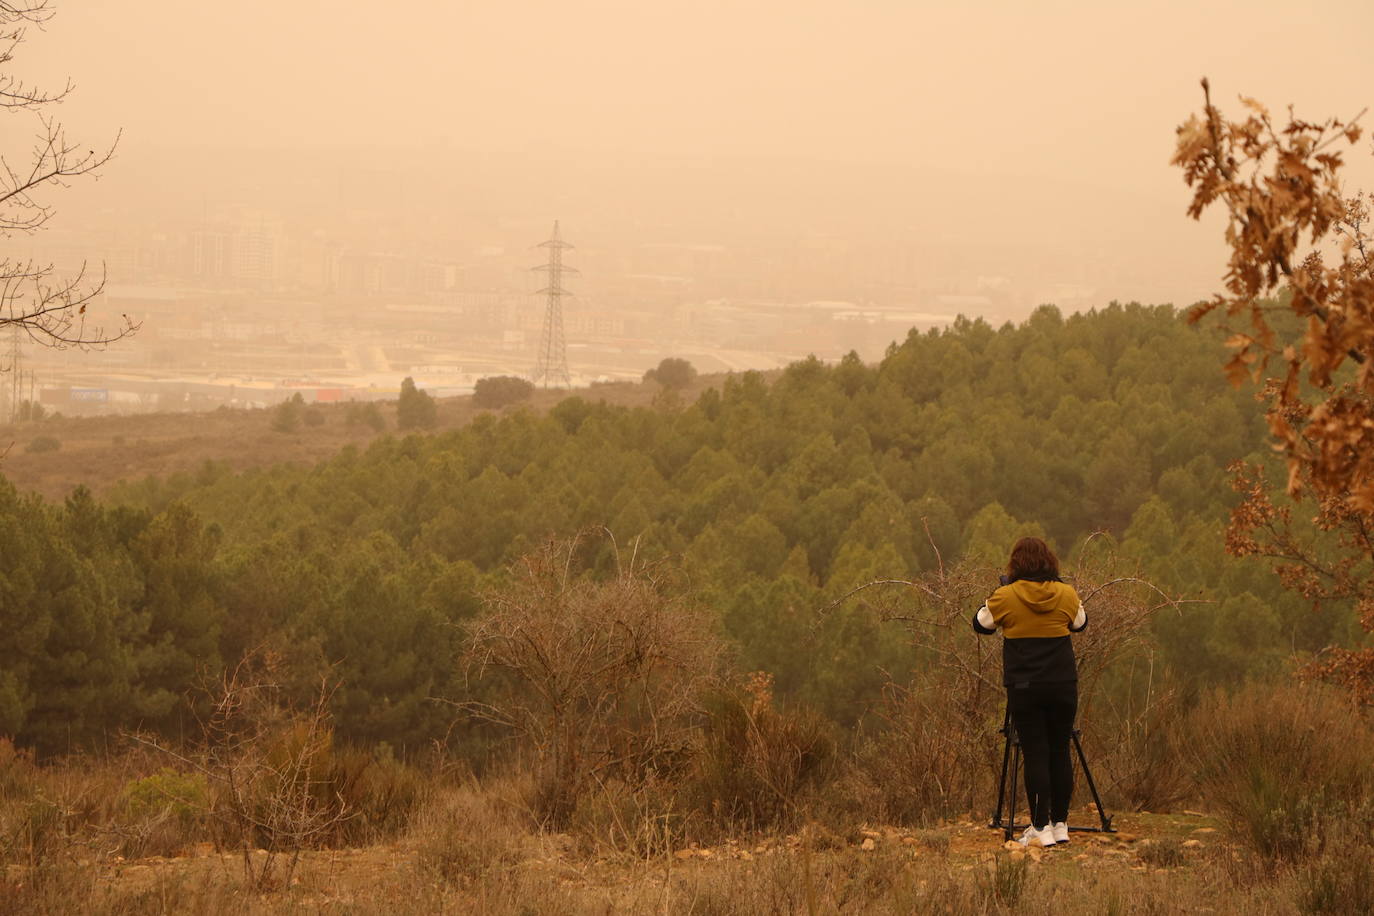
(1032, 557)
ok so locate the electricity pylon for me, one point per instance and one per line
(551, 367)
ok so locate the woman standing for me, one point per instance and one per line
(1036, 611)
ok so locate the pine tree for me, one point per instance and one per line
(415, 409)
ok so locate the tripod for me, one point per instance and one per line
(1011, 765)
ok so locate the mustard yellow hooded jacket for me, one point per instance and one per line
(1036, 617)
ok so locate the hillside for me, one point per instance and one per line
(773, 496)
(705, 654)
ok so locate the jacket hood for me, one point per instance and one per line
(1038, 596)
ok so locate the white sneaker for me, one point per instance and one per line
(1033, 837)
(1060, 831)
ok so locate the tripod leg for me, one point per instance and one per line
(1092, 786)
(1011, 803)
(1002, 781)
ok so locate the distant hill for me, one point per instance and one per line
(98, 452)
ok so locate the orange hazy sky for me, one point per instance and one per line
(1082, 95)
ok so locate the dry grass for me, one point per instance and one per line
(1289, 767)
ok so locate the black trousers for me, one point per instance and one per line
(1043, 715)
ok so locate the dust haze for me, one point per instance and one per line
(336, 195)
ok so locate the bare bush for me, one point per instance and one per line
(759, 764)
(605, 676)
(269, 762)
(936, 751)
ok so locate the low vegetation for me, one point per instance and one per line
(129, 833)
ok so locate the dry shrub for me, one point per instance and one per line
(1131, 738)
(1337, 883)
(759, 765)
(384, 795)
(49, 888)
(374, 793)
(468, 833)
(276, 781)
(928, 760)
(163, 813)
(641, 820)
(51, 813)
(605, 676)
(17, 770)
(1287, 766)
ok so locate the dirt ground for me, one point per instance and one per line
(395, 877)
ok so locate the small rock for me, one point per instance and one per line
(1081, 857)
(1017, 855)
(1191, 844)
(1035, 853)
(1012, 845)
(868, 845)
(683, 853)
(1205, 830)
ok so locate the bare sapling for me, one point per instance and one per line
(268, 760)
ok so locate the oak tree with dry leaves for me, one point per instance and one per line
(1299, 308)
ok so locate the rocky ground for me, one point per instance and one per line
(957, 867)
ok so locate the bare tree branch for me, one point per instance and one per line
(49, 307)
